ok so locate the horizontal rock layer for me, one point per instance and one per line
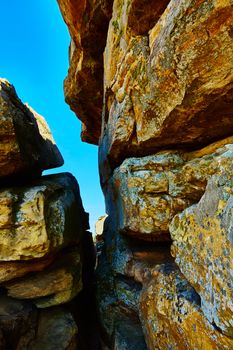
(41, 218)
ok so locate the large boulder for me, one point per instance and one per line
(144, 194)
(172, 318)
(41, 218)
(26, 144)
(202, 246)
(168, 81)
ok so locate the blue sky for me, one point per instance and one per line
(34, 58)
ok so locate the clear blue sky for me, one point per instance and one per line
(34, 57)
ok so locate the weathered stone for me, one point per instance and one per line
(26, 144)
(172, 318)
(58, 284)
(40, 219)
(87, 22)
(145, 193)
(18, 322)
(171, 85)
(203, 239)
(130, 257)
(118, 299)
(56, 330)
(99, 226)
(128, 335)
(14, 269)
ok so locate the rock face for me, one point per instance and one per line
(171, 315)
(159, 90)
(26, 144)
(165, 90)
(42, 237)
(43, 218)
(23, 327)
(87, 22)
(209, 252)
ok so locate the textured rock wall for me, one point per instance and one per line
(43, 239)
(164, 86)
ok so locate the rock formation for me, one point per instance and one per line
(161, 74)
(42, 235)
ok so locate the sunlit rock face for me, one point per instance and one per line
(87, 22)
(26, 144)
(169, 84)
(144, 194)
(40, 219)
(171, 315)
(165, 162)
(43, 237)
(202, 245)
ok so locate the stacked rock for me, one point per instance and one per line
(42, 227)
(165, 157)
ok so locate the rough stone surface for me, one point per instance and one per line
(202, 244)
(168, 86)
(56, 330)
(118, 299)
(166, 83)
(26, 144)
(14, 269)
(87, 22)
(145, 193)
(130, 257)
(40, 219)
(57, 284)
(18, 322)
(172, 318)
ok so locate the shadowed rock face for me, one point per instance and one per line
(87, 22)
(26, 144)
(24, 327)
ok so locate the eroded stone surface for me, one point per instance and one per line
(118, 299)
(18, 322)
(41, 218)
(58, 284)
(145, 193)
(14, 269)
(26, 144)
(57, 330)
(87, 22)
(171, 85)
(202, 244)
(172, 318)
